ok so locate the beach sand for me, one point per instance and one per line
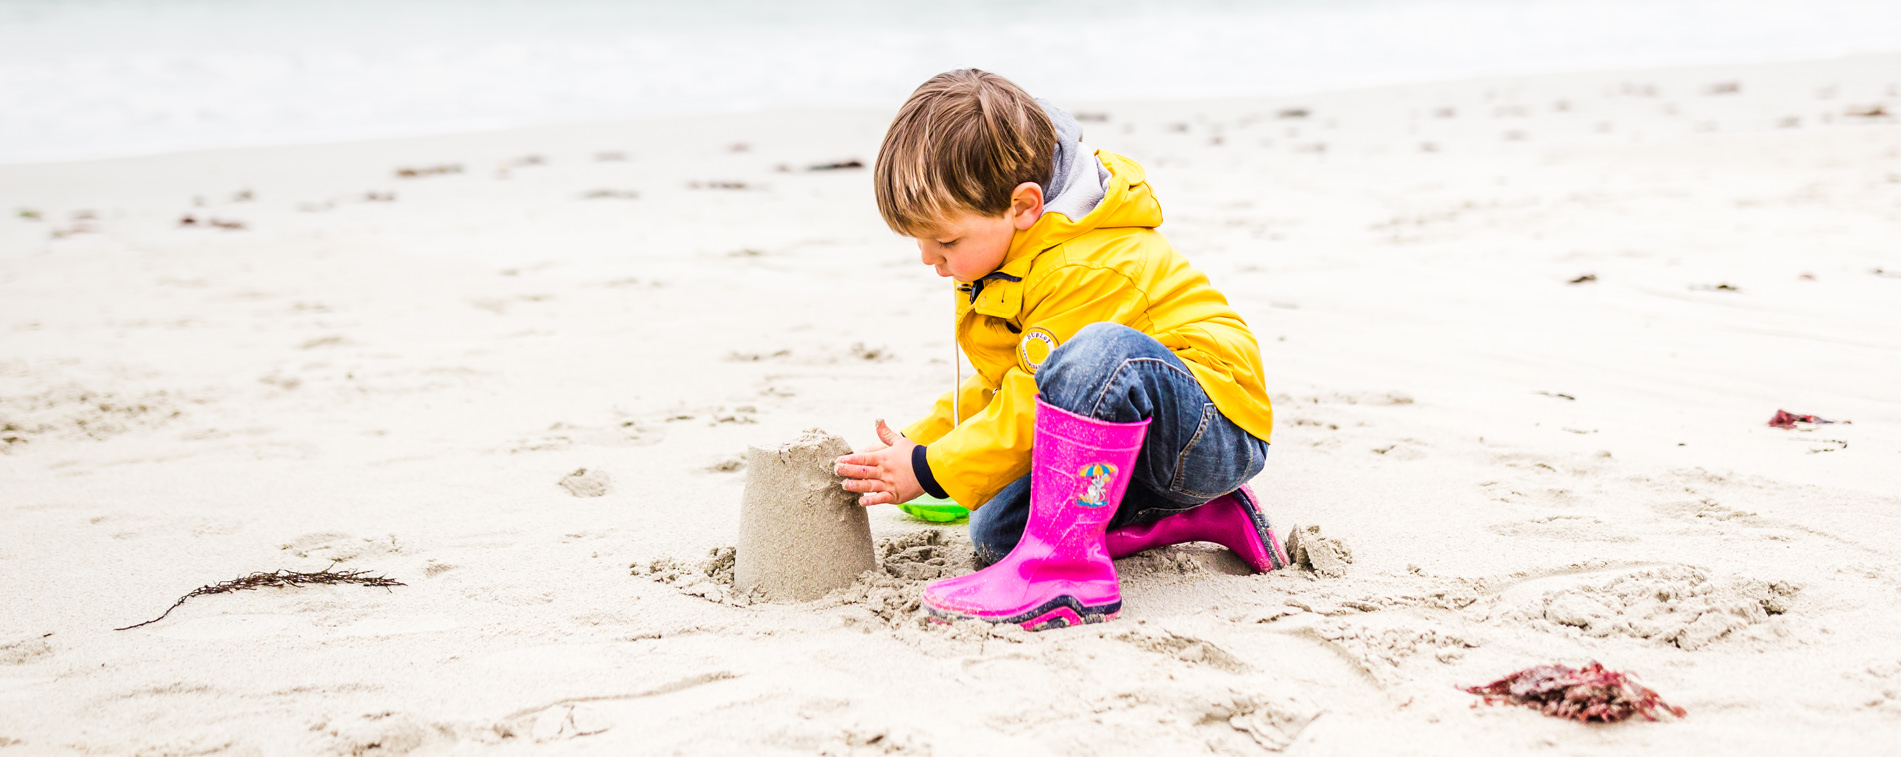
(801, 534)
(1523, 337)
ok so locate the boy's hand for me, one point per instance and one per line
(882, 473)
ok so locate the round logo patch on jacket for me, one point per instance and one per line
(1034, 348)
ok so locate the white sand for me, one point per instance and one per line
(1527, 471)
(801, 534)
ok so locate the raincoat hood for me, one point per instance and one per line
(1127, 203)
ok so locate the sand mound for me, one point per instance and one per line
(1326, 557)
(710, 579)
(800, 533)
(892, 593)
(921, 556)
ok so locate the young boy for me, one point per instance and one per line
(1117, 403)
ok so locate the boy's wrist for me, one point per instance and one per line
(921, 470)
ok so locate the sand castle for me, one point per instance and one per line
(800, 533)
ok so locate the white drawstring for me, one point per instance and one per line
(957, 363)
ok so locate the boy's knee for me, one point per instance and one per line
(1108, 337)
(1085, 361)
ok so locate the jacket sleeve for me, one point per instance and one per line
(976, 394)
(992, 449)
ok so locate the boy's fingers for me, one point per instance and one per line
(872, 458)
(866, 485)
(886, 435)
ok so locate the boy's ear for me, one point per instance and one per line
(1026, 205)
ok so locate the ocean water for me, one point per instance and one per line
(93, 78)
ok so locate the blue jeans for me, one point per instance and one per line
(1114, 373)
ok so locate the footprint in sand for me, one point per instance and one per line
(1189, 649)
(190, 744)
(75, 413)
(1403, 449)
(1883, 680)
(754, 356)
(688, 704)
(375, 734)
(1273, 723)
(587, 482)
(341, 547)
(24, 650)
(1677, 605)
(566, 721)
(626, 432)
(1565, 528)
(1381, 643)
(868, 739)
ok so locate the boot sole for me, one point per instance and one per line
(1276, 557)
(1061, 612)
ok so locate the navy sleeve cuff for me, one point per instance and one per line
(921, 467)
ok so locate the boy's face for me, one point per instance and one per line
(968, 246)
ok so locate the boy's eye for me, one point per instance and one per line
(949, 243)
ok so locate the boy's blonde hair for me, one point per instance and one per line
(963, 142)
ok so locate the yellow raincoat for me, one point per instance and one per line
(1059, 276)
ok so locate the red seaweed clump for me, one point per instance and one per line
(1786, 419)
(1588, 694)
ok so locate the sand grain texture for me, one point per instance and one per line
(587, 482)
(1529, 471)
(800, 533)
(1327, 557)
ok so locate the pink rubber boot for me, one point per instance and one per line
(1059, 574)
(1232, 520)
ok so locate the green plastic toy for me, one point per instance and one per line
(935, 510)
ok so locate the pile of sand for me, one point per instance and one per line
(1326, 557)
(800, 533)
